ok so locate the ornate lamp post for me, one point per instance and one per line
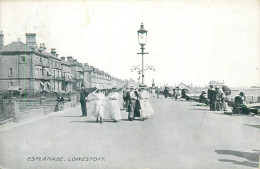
(142, 70)
(142, 38)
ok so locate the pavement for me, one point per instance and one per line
(180, 135)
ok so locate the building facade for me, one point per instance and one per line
(34, 70)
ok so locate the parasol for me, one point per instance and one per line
(226, 90)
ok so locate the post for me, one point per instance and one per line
(142, 65)
(11, 109)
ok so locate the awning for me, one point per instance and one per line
(41, 83)
(18, 88)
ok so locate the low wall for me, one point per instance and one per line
(24, 108)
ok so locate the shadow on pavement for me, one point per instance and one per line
(244, 163)
(93, 121)
(201, 109)
(253, 158)
(255, 126)
(69, 116)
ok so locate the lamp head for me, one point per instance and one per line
(142, 35)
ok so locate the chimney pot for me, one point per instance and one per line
(63, 58)
(53, 51)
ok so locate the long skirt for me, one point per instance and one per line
(58, 107)
(130, 109)
(98, 109)
(146, 108)
(114, 110)
(137, 109)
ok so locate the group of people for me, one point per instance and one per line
(136, 103)
(216, 99)
(101, 102)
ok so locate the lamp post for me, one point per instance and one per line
(142, 38)
(142, 70)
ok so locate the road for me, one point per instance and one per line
(179, 135)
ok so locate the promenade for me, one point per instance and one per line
(179, 135)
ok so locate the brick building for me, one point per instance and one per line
(34, 70)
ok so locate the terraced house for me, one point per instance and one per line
(33, 69)
(29, 67)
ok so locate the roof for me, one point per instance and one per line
(184, 86)
(17, 47)
(44, 53)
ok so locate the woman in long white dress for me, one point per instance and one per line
(113, 106)
(146, 107)
(99, 105)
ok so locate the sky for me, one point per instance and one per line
(188, 41)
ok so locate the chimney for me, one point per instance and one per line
(31, 40)
(42, 47)
(86, 66)
(53, 51)
(62, 58)
(1, 41)
(70, 59)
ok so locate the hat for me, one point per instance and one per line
(241, 93)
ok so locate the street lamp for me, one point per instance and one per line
(142, 38)
(139, 70)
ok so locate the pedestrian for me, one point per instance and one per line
(166, 92)
(113, 105)
(60, 103)
(211, 94)
(124, 97)
(218, 99)
(137, 106)
(177, 93)
(239, 106)
(146, 108)
(99, 105)
(131, 100)
(83, 99)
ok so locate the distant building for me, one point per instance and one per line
(216, 83)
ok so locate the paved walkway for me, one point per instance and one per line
(179, 135)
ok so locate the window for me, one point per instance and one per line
(11, 83)
(10, 71)
(23, 58)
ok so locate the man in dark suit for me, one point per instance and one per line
(211, 93)
(83, 95)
